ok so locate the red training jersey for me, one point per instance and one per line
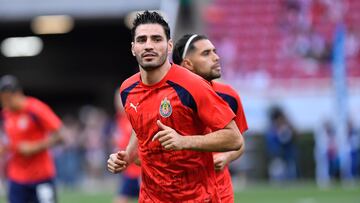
(186, 103)
(231, 97)
(30, 124)
(124, 130)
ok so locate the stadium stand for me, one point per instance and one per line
(284, 38)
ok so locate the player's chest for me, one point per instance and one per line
(153, 104)
(19, 125)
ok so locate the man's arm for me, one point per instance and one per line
(227, 139)
(119, 161)
(31, 148)
(224, 158)
(132, 147)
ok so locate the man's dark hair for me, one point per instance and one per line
(180, 46)
(275, 113)
(150, 18)
(9, 83)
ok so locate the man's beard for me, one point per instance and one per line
(210, 76)
(152, 65)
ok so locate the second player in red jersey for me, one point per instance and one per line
(198, 54)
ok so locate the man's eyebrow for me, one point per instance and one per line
(206, 50)
(141, 36)
(156, 36)
(151, 36)
(209, 49)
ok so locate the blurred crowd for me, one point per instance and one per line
(284, 39)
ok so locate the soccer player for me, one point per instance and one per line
(171, 111)
(198, 54)
(27, 124)
(129, 185)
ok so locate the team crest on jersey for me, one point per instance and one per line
(165, 108)
(23, 122)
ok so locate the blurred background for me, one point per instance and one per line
(295, 64)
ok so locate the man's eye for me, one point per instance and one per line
(205, 53)
(141, 40)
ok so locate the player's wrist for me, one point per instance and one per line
(130, 157)
(188, 143)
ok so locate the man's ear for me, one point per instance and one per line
(170, 46)
(132, 48)
(186, 63)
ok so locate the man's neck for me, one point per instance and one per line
(154, 76)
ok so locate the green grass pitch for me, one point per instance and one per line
(257, 193)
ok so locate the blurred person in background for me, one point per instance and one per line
(326, 158)
(129, 184)
(171, 111)
(68, 157)
(354, 141)
(94, 135)
(28, 123)
(281, 146)
(327, 154)
(198, 54)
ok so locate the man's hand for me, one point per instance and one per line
(29, 148)
(220, 161)
(117, 162)
(169, 138)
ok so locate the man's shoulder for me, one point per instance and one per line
(130, 81)
(224, 88)
(186, 78)
(34, 103)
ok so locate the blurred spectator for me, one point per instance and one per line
(354, 141)
(327, 154)
(281, 146)
(327, 161)
(302, 37)
(68, 156)
(93, 138)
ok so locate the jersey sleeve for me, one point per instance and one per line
(230, 95)
(127, 86)
(47, 118)
(212, 110)
(240, 118)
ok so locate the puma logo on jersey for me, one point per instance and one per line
(134, 106)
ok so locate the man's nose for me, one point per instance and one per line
(216, 57)
(149, 44)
